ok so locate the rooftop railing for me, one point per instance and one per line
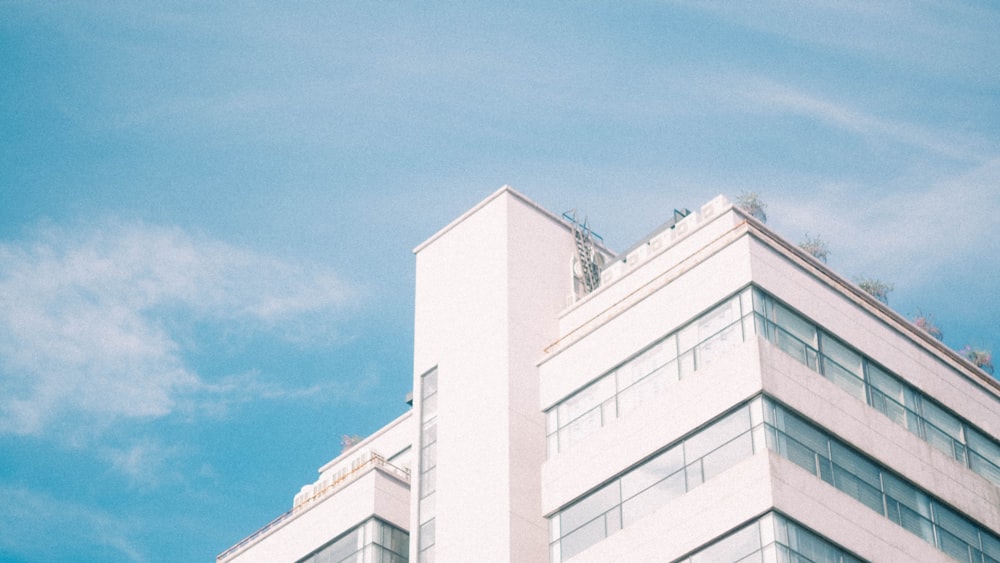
(370, 461)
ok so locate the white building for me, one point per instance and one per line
(713, 394)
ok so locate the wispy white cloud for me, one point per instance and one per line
(146, 463)
(943, 38)
(89, 316)
(910, 234)
(40, 527)
(219, 398)
(762, 94)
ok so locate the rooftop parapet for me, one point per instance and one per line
(321, 490)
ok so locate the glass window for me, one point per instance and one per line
(727, 455)
(426, 535)
(587, 399)
(428, 408)
(428, 434)
(708, 324)
(591, 507)
(685, 364)
(907, 495)
(746, 301)
(362, 541)
(856, 465)
(709, 350)
(429, 459)
(647, 390)
(428, 482)
(804, 433)
(898, 500)
(843, 366)
(844, 379)
(732, 548)
(887, 384)
(943, 421)
(882, 390)
(717, 434)
(580, 428)
(551, 420)
(910, 519)
(957, 525)
(582, 538)
(795, 325)
(953, 545)
(844, 356)
(890, 396)
(648, 362)
(991, 546)
(984, 456)
(653, 497)
(429, 384)
(812, 547)
(657, 468)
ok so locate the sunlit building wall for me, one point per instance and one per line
(719, 396)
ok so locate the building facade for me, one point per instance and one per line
(712, 394)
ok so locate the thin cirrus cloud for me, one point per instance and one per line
(766, 94)
(915, 234)
(91, 320)
(30, 518)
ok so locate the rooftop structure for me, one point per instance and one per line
(712, 394)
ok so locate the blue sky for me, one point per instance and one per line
(207, 210)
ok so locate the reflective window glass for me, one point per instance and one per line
(907, 495)
(590, 507)
(717, 434)
(580, 428)
(957, 525)
(842, 355)
(648, 362)
(426, 535)
(648, 390)
(716, 346)
(846, 380)
(795, 325)
(653, 497)
(727, 455)
(942, 420)
(587, 399)
(731, 548)
(428, 384)
(582, 538)
(667, 463)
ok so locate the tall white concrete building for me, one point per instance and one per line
(712, 394)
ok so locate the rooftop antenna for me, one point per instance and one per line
(588, 262)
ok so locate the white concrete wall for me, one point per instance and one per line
(625, 327)
(843, 520)
(689, 521)
(387, 441)
(374, 493)
(488, 290)
(649, 267)
(874, 434)
(689, 404)
(877, 339)
(606, 328)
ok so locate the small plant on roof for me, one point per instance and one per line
(752, 203)
(876, 288)
(982, 359)
(815, 246)
(926, 323)
(348, 441)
